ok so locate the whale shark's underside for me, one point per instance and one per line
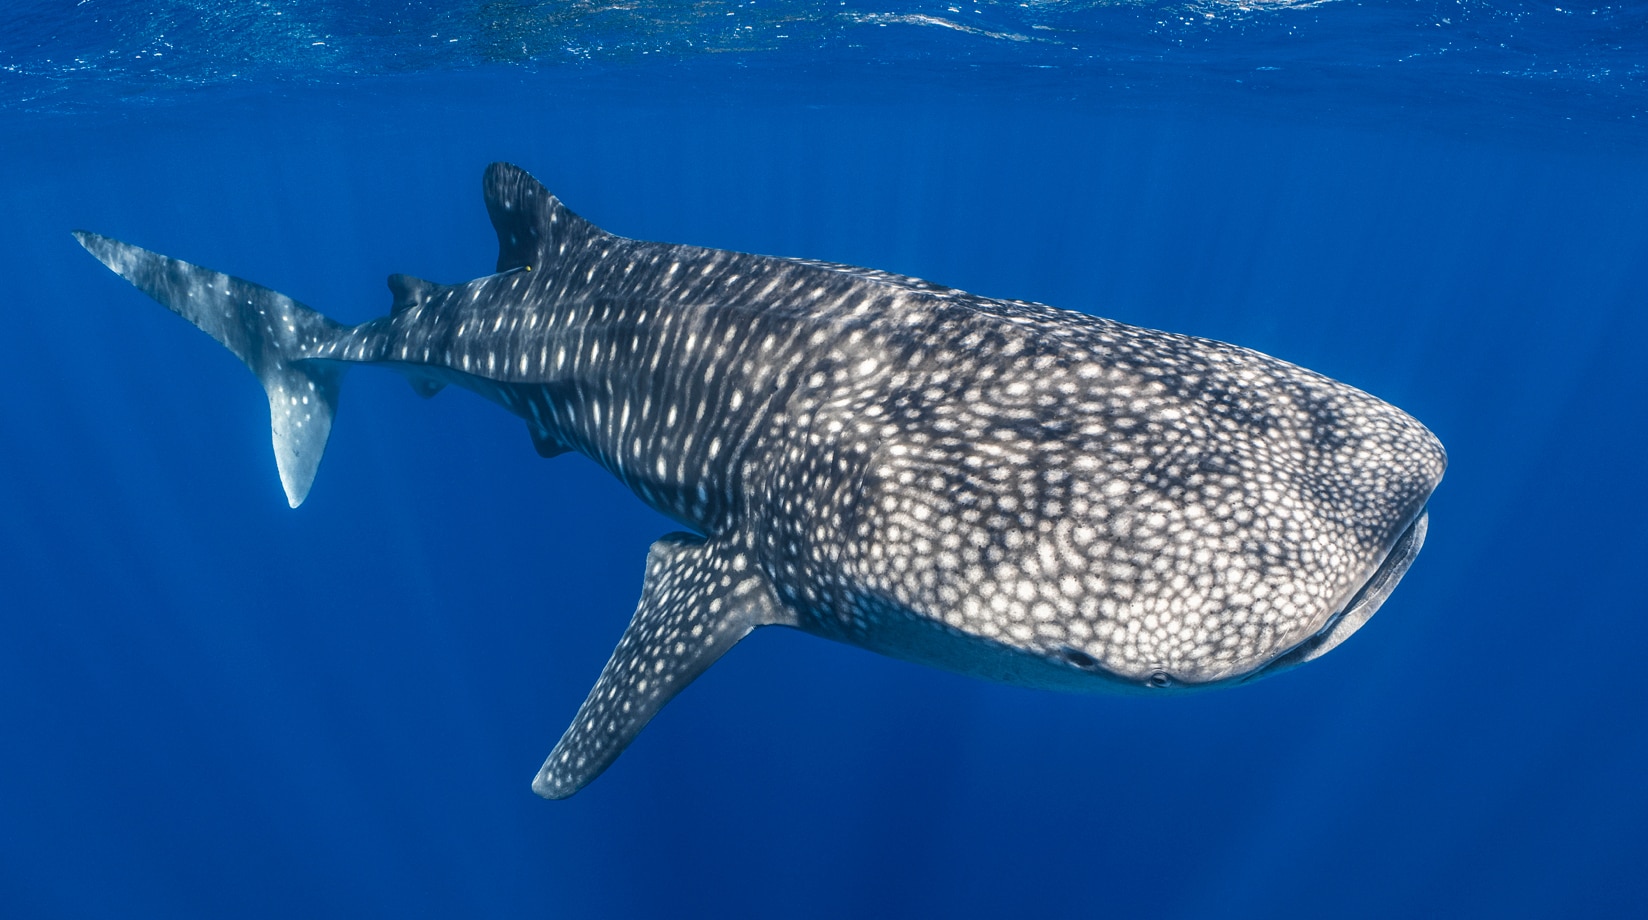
(995, 487)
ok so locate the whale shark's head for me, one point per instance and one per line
(1202, 516)
(1283, 561)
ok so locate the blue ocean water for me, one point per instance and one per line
(217, 706)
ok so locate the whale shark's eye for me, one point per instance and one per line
(1159, 678)
(1078, 658)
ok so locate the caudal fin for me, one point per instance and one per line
(265, 329)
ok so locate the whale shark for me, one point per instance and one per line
(995, 487)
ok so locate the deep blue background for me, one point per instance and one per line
(211, 705)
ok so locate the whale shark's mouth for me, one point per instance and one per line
(1362, 605)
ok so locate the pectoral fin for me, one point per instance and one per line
(699, 599)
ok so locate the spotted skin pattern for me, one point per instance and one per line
(999, 488)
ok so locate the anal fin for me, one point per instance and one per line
(546, 443)
(699, 599)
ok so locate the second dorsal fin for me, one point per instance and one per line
(409, 292)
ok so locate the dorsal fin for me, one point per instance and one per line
(410, 292)
(531, 223)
